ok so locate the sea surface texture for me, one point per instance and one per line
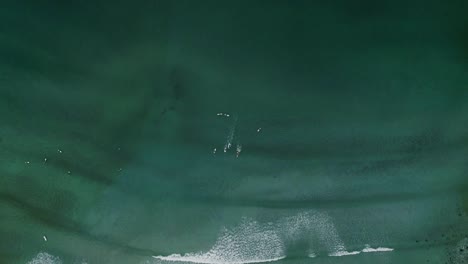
(233, 132)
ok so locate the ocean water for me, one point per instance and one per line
(232, 132)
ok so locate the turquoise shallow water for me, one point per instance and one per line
(233, 132)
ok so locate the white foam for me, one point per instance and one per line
(250, 242)
(343, 253)
(202, 258)
(312, 223)
(368, 249)
(45, 258)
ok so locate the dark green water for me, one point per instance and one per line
(233, 132)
